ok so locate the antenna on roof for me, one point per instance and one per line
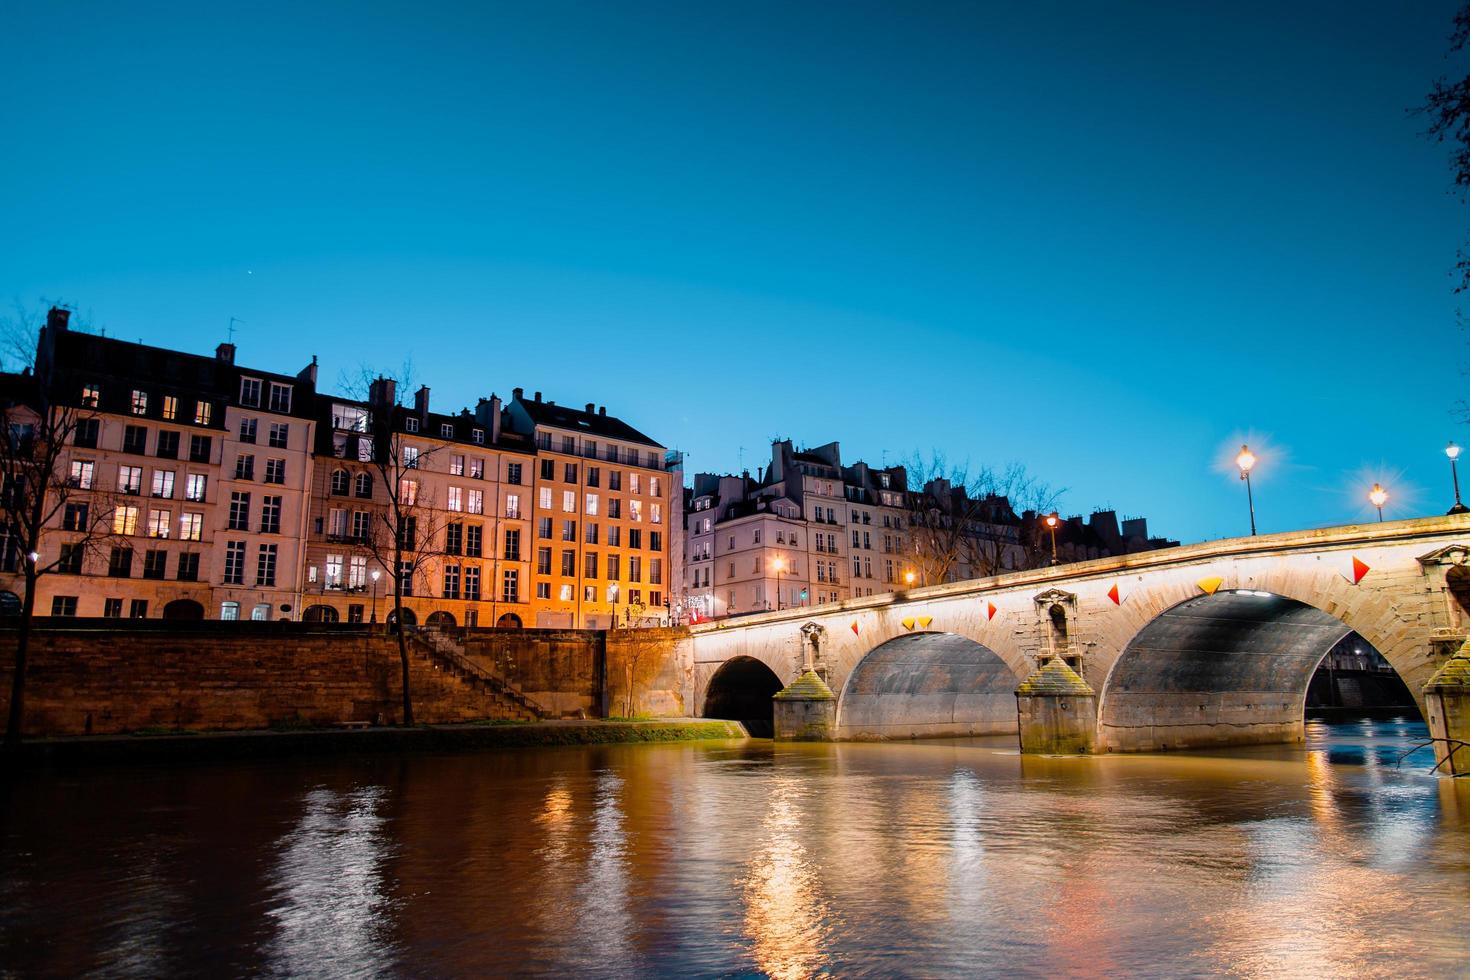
(230, 334)
(741, 457)
(885, 459)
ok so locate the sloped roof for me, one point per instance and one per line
(564, 417)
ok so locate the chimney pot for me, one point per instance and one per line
(590, 406)
(57, 318)
(518, 393)
(225, 353)
(538, 396)
(602, 410)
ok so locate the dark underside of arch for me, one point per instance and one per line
(929, 685)
(1225, 669)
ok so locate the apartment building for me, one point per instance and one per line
(604, 496)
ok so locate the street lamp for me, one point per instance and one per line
(908, 577)
(778, 565)
(1378, 497)
(1453, 452)
(1245, 460)
(1052, 520)
(375, 575)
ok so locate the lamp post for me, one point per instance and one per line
(908, 578)
(1453, 452)
(1246, 460)
(1378, 497)
(1052, 520)
(778, 565)
(375, 575)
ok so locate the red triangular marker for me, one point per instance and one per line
(990, 610)
(854, 628)
(1113, 594)
(1359, 570)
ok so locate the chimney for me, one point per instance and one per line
(538, 396)
(487, 413)
(225, 353)
(308, 373)
(602, 410)
(383, 393)
(57, 318)
(590, 407)
(421, 404)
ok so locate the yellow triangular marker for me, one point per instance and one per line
(1209, 585)
(908, 622)
(924, 622)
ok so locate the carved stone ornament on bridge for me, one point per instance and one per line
(811, 644)
(1452, 554)
(1052, 597)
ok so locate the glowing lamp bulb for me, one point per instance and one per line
(1052, 520)
(34, 556)
(908, 577)
(376, 574)
(1245, 459)
(1378, 496)
(1452, 451)
(778, 564)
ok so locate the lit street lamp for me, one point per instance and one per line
(1245, 460)
(778, 565)
(908, 578)
(1453, 452)
(375, 575)
(1052, 520)
(1378, 497)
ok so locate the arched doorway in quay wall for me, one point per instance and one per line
(183, 609)
(741, 690)
(1232, 668)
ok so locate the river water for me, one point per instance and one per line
(953, 858)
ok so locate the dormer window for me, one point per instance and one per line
(478, 437)
(91, 396)
(140, 402)
(280, 398)
(250, 392)
(410, 424)
(446, 430)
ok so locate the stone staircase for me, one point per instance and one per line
(444, 650)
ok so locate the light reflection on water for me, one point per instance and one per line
(955, 858)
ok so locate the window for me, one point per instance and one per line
(569, 501)
(354, 612)
(477, 436)
(265, 565)
(64, 605)
(591, 505)
(655, 512)
(615, 508)
(472, 583)
(570, 473)
(339, 483)
(199, 447)
(612, 592)
(543, 590)
(140, 402)
(635, 538)
(633, 479)
(74, 518)
(655, 541)
(333, 570)
(589, 593)
(655, 571)
(591, 533)
(615, 479)
(125, 520)
(569, 530)
(250, 392)
(408, 492)
(408, 534)
(614, 536)
(195, 486)
(135, 439)
(472, 537)
(160, 522)
(513, 473)
(476, 504)
(635, 510)
(154, 564)
(91, 396)
(247, 429)
(112, 608)
(543, 561)
(202, 412)
(361, 525)
(85, 434)
(245, 467)
(239, 511)
(446, 430)
(70, 562)
(512, 505)
(130, 479)
(543, 528)
(512, 550)
(260, 612)
(543, 498)
(363, 486)
(191, 526)
(569, 444)
(593, 476)
(455, 500)
(453, 538)
(456, 464)
(357, 572)
(568, 562)
(270, 515)
(565, 593)
(614, 567)
(280, 398)
(477, 468)
(410, 424)
(589, 565)
(635, 568)
(235, 563)
(229, 611)
(279, 436)
(168, 445)
(81, 473)
(275, 471)
(170, 407)
(188, 568)
(410, 457)
(510, 589)
(653, 487)
(120, 563)
(451, 581)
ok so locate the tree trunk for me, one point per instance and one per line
(400, 628)
(18, 680)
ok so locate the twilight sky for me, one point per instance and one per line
(1106, 242)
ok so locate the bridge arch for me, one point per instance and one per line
(741, 690)
(931, 685)
(1230, 668)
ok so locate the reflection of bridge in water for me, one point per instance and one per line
(1210, 644)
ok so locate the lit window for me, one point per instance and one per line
(201, 413)
(170, 407)
(91, 395)
(140, 402)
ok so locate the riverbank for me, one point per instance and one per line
(209, 746)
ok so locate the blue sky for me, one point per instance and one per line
(1103, 240)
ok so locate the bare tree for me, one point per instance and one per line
(963, 519)
(640, 651)
(41, 497)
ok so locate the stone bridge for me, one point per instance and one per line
(1211, 644)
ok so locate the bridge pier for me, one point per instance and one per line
(1056, 711)
(805, 710)
(1447, 711)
